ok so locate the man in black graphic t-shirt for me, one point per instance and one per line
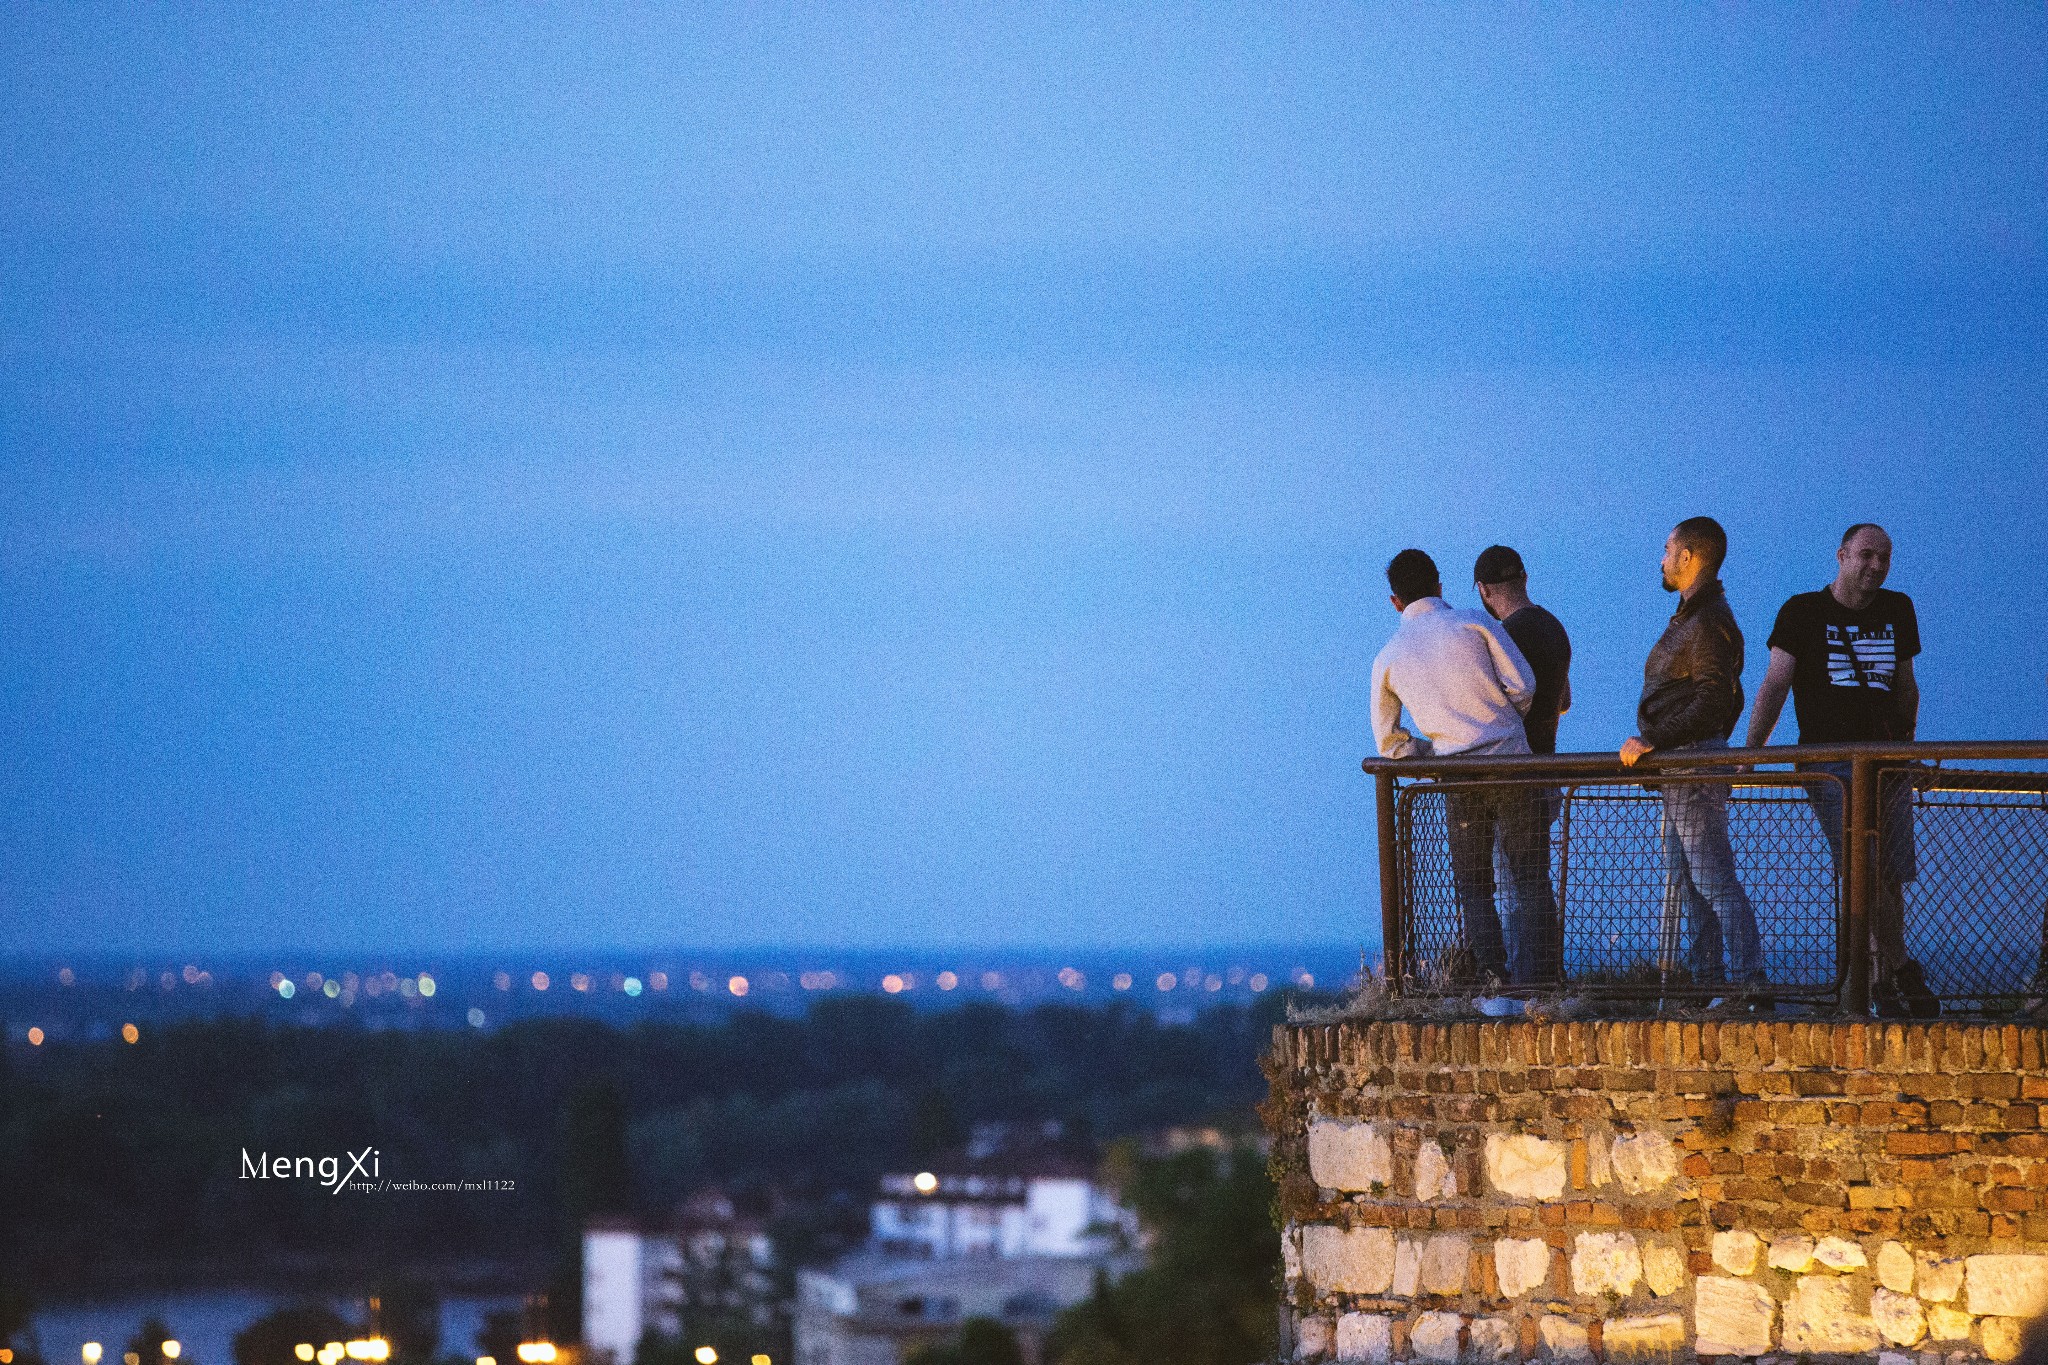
(1845, 653)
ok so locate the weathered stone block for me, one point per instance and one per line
(1736, 1252)
(1895, 1268)
(1599, 1160)
(1731, 1317)
(1652, 1335)
(1492, 1339)
(1941, 1277)
(1663, 1269)
(1407, 1267)
(2002, 1337)
(1312, 1337)
(1822, 1317)
(1354, 1261)
(1435, 1337)
(1949, 1324)
(1605, 1263)
(1290, 1253)
(1365, 1336)
(1898, 1316)
(1433, 1176)
(1839, 1253)
(1565, 1339)
(1644, 1162)
(2007, 1286)
(1445, 1258)
(1525, 1167)
(1521, 1264)
(1791, 1253)
(1347, 1155)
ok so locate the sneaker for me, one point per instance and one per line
(1909, 985)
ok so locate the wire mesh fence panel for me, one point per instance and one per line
(1975, 889)
(1632, 874)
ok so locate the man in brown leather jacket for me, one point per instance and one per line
(1692, 697)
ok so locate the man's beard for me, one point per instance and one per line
(1669, 586)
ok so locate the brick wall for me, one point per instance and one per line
(1592, 1190)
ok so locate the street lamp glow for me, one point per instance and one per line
(925, 1181)
(304, 1350)
(537, 1352)
(172, 1350)
(91, 1352)
(706, 1355)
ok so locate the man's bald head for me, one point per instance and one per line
(1861, 564)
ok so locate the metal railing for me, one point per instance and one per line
(1888, 852)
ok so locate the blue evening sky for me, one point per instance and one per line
(529, 476)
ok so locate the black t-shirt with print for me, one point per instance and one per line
(1542, 640)
(1847, 662)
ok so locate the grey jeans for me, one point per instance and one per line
(1699, 868)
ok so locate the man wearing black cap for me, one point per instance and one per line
(1503, 585)
(1504, 589)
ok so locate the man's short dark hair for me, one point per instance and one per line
(1850, 534)
(1498, 564)
(1412, 576)
(1705, 538)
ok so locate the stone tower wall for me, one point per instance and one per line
(1576, 1191)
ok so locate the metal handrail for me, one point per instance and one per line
(1609, 764)
(1866, 760)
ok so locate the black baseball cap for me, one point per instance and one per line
(1498, 564)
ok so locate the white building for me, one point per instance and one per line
(625, 1291)
(938, 1214)
(1016, 1242)
(710, 1262)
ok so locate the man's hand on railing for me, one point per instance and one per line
(1632, 749)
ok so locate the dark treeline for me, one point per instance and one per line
(124, 1163)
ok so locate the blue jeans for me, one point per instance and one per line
(1897, 862)
(1543, 913)
(1897, 857)
(1699, 867)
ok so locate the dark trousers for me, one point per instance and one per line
(1519, 817)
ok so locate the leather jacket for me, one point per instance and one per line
(1692, 683)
